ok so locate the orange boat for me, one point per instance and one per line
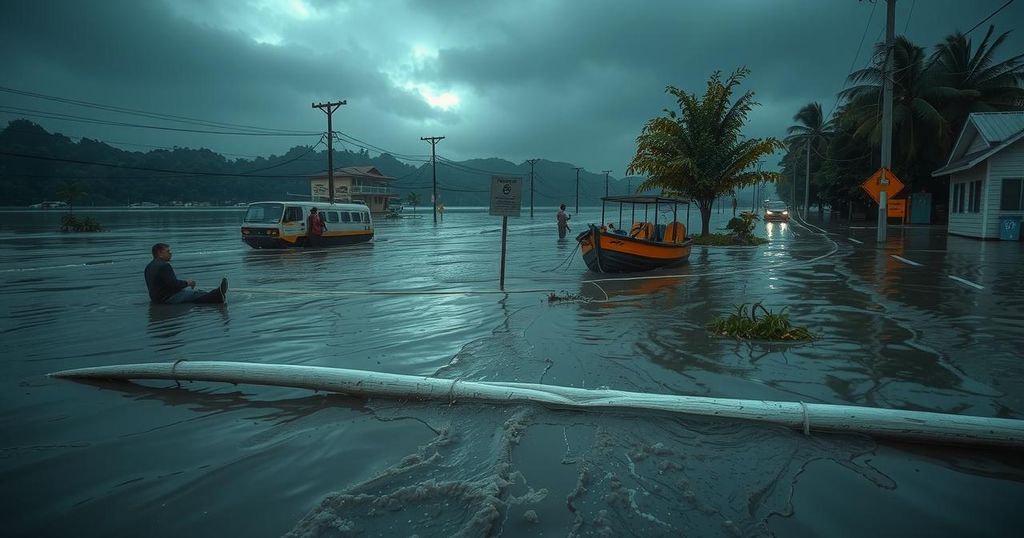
(648, 245)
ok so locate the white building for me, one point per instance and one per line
(986, 174)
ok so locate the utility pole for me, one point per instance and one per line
(606, 172)
(433, 163)
(890, 23)
(807, 182)
(531, 161)
(329, 109)
(578, 189)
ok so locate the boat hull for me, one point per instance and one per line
(613, 253)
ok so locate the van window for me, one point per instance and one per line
(366, 217)
(292, 214)
(356, 217)
(332, 216)
(264, 213)
(345, 217)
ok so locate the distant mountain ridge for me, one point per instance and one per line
(34, 163)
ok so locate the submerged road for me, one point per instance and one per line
(925, 322)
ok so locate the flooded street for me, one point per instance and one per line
(929, 322)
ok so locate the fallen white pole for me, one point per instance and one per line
(909, 425)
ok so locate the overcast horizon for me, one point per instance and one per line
(566, 81)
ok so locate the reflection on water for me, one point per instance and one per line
(204, 459)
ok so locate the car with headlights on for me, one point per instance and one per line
(776, 211)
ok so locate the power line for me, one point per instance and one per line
(975, 27)
(84, 119)
(145, 168)
(144, 113)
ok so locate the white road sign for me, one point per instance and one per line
(506, 196)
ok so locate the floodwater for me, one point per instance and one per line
(213, 459)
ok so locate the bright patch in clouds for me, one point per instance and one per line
(300, 9)
(443, 100)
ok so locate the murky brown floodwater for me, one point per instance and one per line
(206, 459)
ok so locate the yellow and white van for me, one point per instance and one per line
(283, 224)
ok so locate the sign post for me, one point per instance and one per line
(506, 200)
(881, 186)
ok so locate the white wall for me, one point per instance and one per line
(1009, 162)
(969, 224)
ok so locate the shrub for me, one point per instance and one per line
(71, 223)
(770, 326)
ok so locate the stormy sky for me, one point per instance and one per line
(570, 80)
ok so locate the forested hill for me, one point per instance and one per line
(35, 164)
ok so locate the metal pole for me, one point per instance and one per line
(433, 163)
(531, 161)
(890, 22)
(578, 189)
(807, 183)
(504, 235)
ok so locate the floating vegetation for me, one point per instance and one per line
(750, 326)
(565, 297)
(726, 240)
(71, 223)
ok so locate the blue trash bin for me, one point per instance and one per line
(1009, 227)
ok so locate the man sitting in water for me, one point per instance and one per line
(164, 286)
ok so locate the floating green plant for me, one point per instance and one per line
(749, 325)
(565, 297)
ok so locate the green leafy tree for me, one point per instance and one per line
(68, 192)
(700, 153)
(414, 200)
(814, 133)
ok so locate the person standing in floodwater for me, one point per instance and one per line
(734, 206)
(315, 227)
(563, 221)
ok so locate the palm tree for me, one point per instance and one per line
(414, 200)
(700, 152)
(973, 81)
(68, 191)
(814, 133)
(920, 133)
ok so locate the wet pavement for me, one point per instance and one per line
(926, 322)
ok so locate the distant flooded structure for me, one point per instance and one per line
(359, 184)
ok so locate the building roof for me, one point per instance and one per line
(369, 172)
(996, 131)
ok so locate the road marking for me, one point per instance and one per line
(906, 261)
(855, 241)
(968, 282)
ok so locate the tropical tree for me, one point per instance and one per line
(700, 153)
(414, 200)
(68, 191)
(921, 136)
(814, 133)
(973, 81)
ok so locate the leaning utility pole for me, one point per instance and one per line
(578, 189)
(531, 161)
(433, 163)
(890, 23)
(329, 108)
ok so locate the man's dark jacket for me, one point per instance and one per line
(161, 281)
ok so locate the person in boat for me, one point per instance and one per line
(316, 227)
(563, 221)
(165, 288)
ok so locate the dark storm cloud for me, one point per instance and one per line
(570, 81)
